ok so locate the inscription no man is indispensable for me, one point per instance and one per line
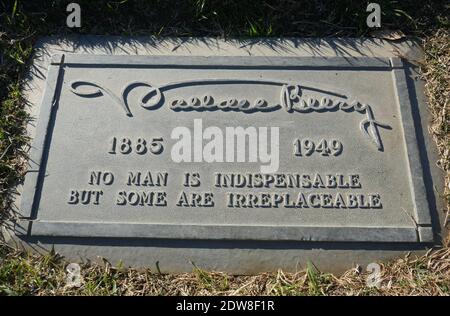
(237, 181)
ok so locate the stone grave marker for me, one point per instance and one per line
(227, 161)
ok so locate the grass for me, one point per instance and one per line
(23, 22)
(26, 274)
(436, 74)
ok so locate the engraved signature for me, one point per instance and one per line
(291, 99)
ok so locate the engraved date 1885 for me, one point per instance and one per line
(140, 146)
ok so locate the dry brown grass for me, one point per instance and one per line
(36, 275)
(436, 73)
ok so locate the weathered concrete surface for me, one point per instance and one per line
(239, 240)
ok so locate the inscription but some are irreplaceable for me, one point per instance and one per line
(235, 190)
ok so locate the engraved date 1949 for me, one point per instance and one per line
(323, 147)
(140, 146)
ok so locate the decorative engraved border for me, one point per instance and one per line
(30, 226)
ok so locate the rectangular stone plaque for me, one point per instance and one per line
(228, 148)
